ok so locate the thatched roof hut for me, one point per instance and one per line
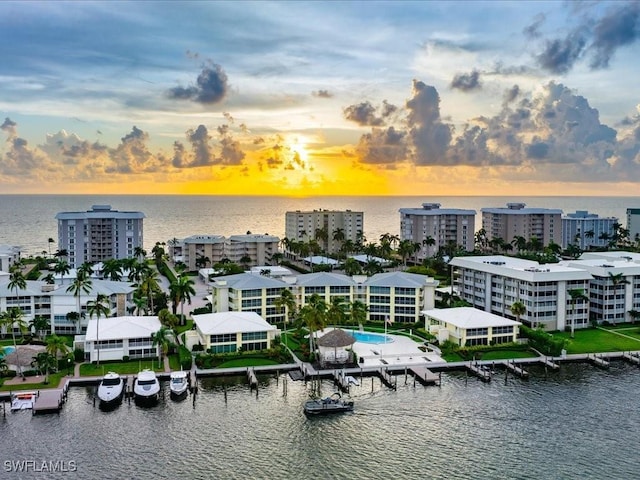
(333, 345)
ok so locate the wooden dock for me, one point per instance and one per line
(50, 401)
(516, 370)
(341, 380)
(632, 357)
(598, 361)
(548, 363)
(480, 372)
(387, 378)
(424, 375)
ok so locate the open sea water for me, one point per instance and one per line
(578, 423)
(29, 220)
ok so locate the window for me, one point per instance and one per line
(254, 336)
(223, 338)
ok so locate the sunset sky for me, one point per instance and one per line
(320, 98)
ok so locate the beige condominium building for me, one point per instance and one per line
(331, 228)
(434, 227)
(515, 220)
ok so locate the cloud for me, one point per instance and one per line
(211, 87)
(533, 29)
(596, 38)
(533, 132)
(203, 152)
(363, 114)
(322, 94)
(466, 81)
(9, 126)
(132, 155)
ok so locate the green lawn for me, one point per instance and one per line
(54, 381)
(247, 362)
(507, 354)
(594, 340)
(174, 362)
(183, 328)
(124, 368)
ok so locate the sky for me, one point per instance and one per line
(320, 98)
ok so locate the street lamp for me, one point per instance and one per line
(68, 365)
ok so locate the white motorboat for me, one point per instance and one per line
(111, 389)
(179, 383)
(23, 401)
(146, 387)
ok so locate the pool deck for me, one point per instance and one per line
(401, 351)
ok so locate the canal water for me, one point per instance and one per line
(578, 423)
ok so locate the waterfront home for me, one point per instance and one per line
(227, 332)
(9, 255)
(468, 326)
(494, 283)
(118, 337)
(393, 296)
(614, 290)
(54, 302)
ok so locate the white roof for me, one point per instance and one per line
(527, 270)
(117, 328)
(320, 260)
(231, 322)
(274, 270)
(469, 317)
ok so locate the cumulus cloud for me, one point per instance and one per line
(595, 38)
(322, 94)
(366, 114)
(535, 132)
(9, 126)
(466, 81)
(203, 152)
(211, 86)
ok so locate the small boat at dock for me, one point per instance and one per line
(23, 400)
(179, 383)
(328, 405)
(146, 386)
(111, 389)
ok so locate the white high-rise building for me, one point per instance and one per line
(633, 223)
(545, 224)
(331, 228)
(434, 227)
(585, 230)
(99, 234)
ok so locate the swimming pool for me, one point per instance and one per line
(367, 337)
(8, 350)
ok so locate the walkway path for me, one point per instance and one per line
(618, 333)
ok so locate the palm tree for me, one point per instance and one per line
(372, 267)
(287, 301)
(140, 253)
(112, 269)
(163, 337)
(314, 315)
(181, 290)
(49, 279)
(575, 294)
(357, 312)
(56, 346)
(167, 318)
(634, 314)
(62, 268)
(82, 283)
(616, 280)
(16, 279)
(40, 324)
(337, 311)
(518, 309)
(98, 307)
(141, 304)
(429, 242)
(149, 284)
(352, 267)
(44, 363)
(245, 261)
(12, 319)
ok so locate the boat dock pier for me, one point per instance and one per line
(632, 357)
(479, 371)
(341, 380)
(251, 377)
(424, 375)
(50, 401)
(388, 379)
(515, 369)
(598, 361)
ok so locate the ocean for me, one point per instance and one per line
(29, 220)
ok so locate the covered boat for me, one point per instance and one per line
(324, 406)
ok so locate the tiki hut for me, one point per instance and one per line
(333, 347)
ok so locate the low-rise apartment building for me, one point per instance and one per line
(494, 283)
